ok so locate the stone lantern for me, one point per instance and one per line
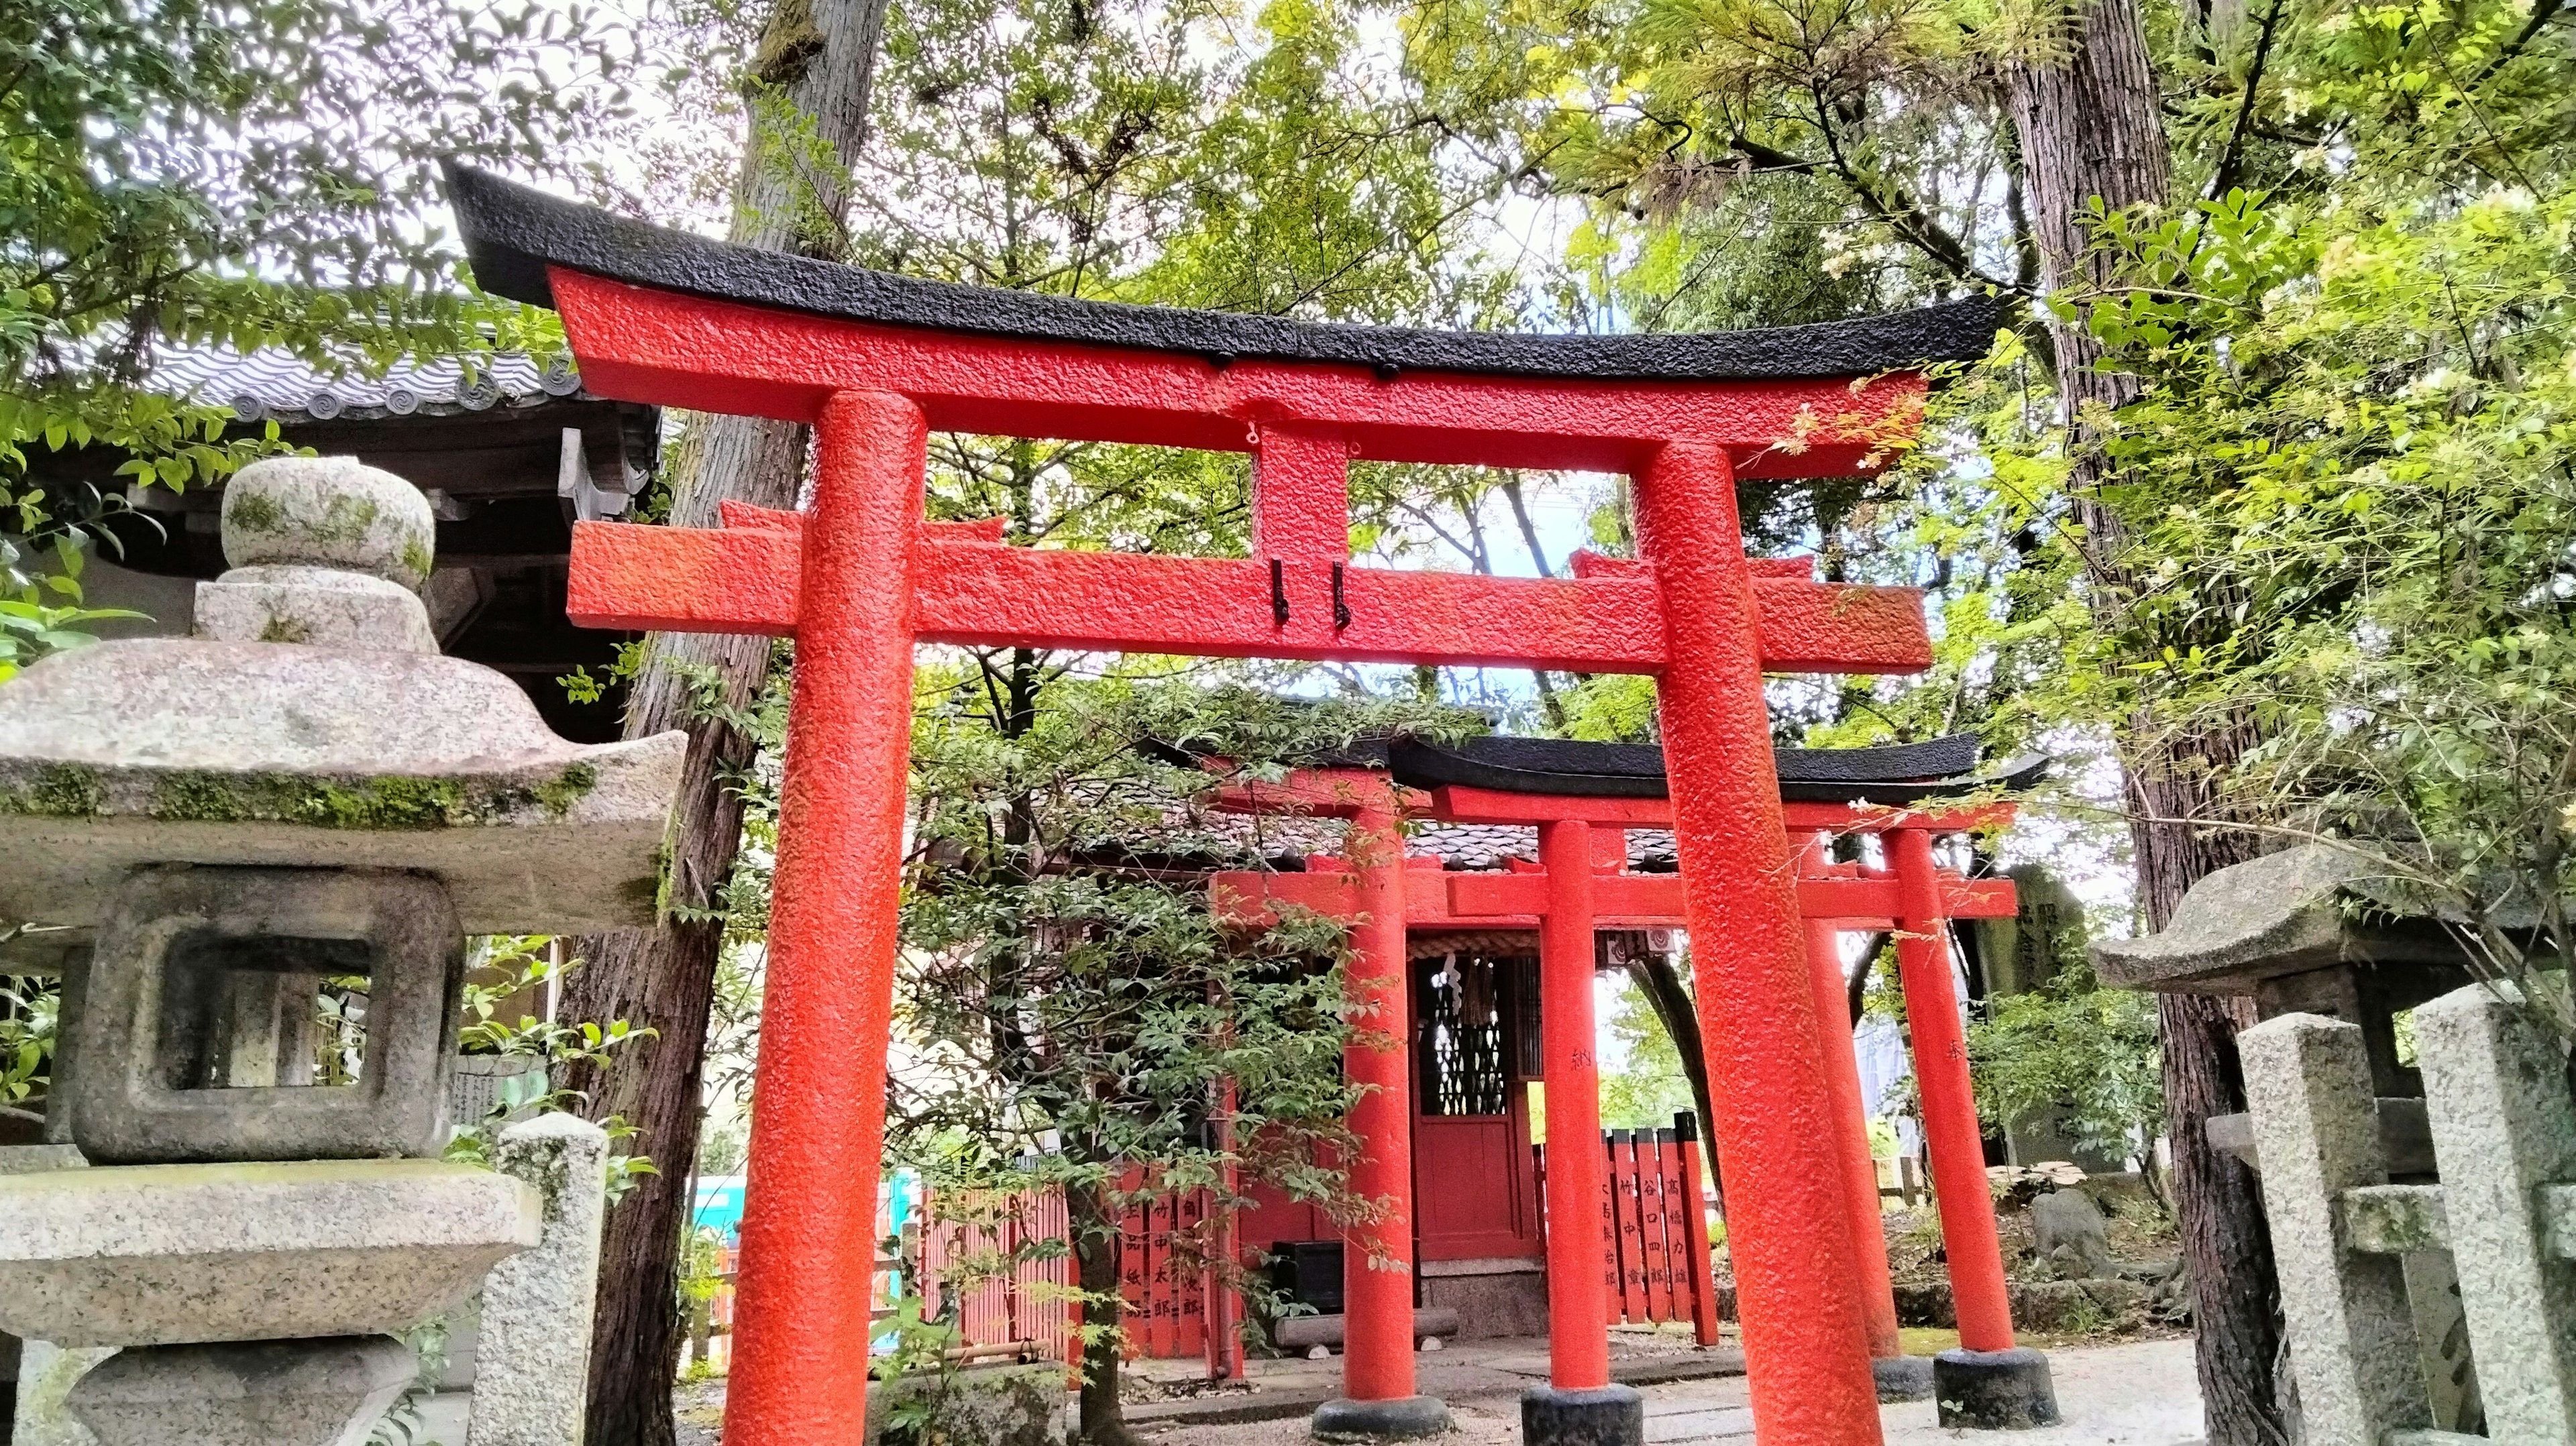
(256, 855)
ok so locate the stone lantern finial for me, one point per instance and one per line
(326, 551)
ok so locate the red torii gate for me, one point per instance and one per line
(1582, 882)
(874, 362)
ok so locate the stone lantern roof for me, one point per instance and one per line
(311, 722)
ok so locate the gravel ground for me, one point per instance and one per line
(2139, 1394)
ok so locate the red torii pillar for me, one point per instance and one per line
(1579, 1403)
(1988, 1381)
(1368, 893)
(1860, 1166)
(1378, 1395)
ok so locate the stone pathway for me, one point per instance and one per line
(2141, 1394)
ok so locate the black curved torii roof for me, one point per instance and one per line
(1895, 774)
(513, 233)
(1900, 773)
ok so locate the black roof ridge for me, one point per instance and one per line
(514, 232)
(1885, 773)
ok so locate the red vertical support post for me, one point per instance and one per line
(1578, 1339)
(1378, 1397)
(1851, 1118)
(1806, 1354)
(800, 1372)
(1301, 509)
(1950, 1129)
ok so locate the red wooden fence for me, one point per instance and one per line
(1030, 1304)
(972, 1246)
(1654, 1239)
(1654, 1229)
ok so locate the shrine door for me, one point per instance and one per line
(1475, 1044)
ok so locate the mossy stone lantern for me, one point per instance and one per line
(256, 854)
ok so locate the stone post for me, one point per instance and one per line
(2351, 1329)
(2503, 1128)
(532, 1366)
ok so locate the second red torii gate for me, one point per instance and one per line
(1582, 882)
(873, 362)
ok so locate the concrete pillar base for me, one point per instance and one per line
(1405, 1418)
(1597, 1416)
(1994, 1390)
(1903, 1378)
(327, 1392)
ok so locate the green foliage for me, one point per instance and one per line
(200, 174)
(30, 1017)
(2079, 1054)
(508, 966)
(30, 631)
(1651, 1087)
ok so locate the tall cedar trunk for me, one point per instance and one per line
(2089, 127)
(817, 57)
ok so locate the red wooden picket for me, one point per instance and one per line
(1188, 1286)
(1653, 1171)
(1166, 1307)
(1632, 1241)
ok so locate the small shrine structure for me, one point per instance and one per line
(874, 362)
(1584, 799)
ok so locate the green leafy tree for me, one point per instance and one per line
(1081, 1019)
(2079, 1055)
(199, 174)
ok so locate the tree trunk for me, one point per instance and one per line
(1095, 1261)
(2089, 127)
(1656, 974)
(818, 56)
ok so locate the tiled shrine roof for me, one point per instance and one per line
(273, 384)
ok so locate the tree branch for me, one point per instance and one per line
(2223, 180)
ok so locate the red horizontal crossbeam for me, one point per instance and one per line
(1489, 900)
(743, 579)
(685, 351)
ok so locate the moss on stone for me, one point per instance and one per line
(254, 512)
(282, 629)
(345, 520)
(567, 788)
(390, 803)
(383, 804)
(417, 556)
(56, 790)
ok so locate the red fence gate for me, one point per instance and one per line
(1009, 1305)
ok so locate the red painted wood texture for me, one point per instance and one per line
(657, 346)
(744, 579)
